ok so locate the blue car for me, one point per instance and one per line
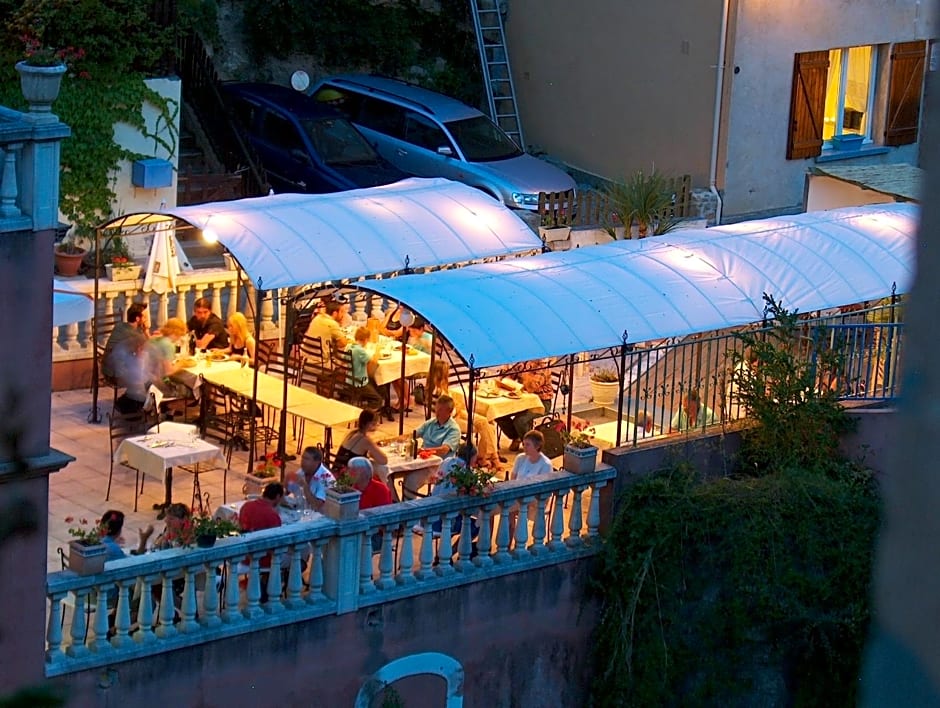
(303, 145)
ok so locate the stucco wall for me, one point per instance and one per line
(523, 640)
(769, 32)
(611, 86)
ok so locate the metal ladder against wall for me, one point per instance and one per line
(500, 91)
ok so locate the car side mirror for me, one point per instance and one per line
(445, 151)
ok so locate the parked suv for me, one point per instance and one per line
(305, 146)
(431, 135)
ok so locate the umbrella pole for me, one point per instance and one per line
(470, 377)
(621, 376)
(404, 383)
(570, 367)
(259, 294)
(282, 420)
(94, 416)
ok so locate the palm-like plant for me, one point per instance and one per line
(644, 198)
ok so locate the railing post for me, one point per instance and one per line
(594, 510)
(485, 538)
(166, 628)
(465, 544)
(538, 528)
(427, 553)
(558, 522)
(122, 616)
(574, 521)
(295, 581)
(230, 613)
(406, 559)
(386, 562)
(366, 586)
(79, 624)
(445, 555)
(188, 623)
(274, 603)
(502, 535)
(316, 574)
(522, 529)
(209, 617)
(341, 570)
(253, 593)
(144, 633)
(99, 640)
(54, 628)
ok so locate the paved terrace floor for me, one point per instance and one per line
(78, 490)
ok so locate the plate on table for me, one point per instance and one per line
(513, 394)
(385, 356)
(487, 394)
(186, 362)
(217, 356)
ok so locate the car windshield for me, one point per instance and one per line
(338, 143)
(480, 140)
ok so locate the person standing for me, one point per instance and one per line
(207, 326)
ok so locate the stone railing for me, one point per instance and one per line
(222, 286)
(327, 568)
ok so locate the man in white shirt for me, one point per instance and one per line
(313, 478)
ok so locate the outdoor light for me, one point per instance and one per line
(407, 318)
(210, 236)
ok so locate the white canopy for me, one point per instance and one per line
(286, 240)
(69, 305)
(682, 283)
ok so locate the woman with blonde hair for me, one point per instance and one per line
(438, 385)
(241, 343)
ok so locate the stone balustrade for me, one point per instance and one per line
(327, 568)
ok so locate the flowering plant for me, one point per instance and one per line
(206, 525)
(343, 483)
(578, 435)
(467, 480)
(37, 55)
(271, 467)
(86, 533)
(118, 253)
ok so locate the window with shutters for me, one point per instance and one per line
(866, 91)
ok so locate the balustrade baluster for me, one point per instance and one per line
(386, 562)
(274, 604)
(406, 557)
(188, 623)
(232, 298)
(253, 594)
(484, 539)
(465, 544)
(54, 628)
(522, 530)
(182, 311)
(209, 617)
(558, 521)
(538, 528)
(594, 510)
(267, 314)
(167, 610)
(122, 615)
(144, 633)
(502, 535)
(295, 581)
(574, 521)
(216, 298)
(444, 549)
(8, 182)
(77, 632)
(230, 613)
(366, 586)
(99, 639)
(427, 552)
(316, 574)
(71, 338)
(163, 310)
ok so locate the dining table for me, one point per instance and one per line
(496, 403)
(164, 447)
(412, 472)
(301, 402)
(389, 361)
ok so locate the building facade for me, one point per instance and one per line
(614, 87)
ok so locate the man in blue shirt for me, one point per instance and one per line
(440, 435)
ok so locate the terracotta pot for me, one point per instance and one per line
(86, 560)
(68, 264)
(40, 85)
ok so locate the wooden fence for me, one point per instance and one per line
(591, 208)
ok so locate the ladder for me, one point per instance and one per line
(500, 92)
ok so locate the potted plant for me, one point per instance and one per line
(120, 266)
(269, 470)
(555, 229)
(206, 529)
(86, 553)
(580, 453)
(69, 255)
(647, 200)
(605, 386)
(468, 481)
(342, 499)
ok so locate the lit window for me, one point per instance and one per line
(850, 92)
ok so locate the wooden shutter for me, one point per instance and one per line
(807, 104)
(905, 87)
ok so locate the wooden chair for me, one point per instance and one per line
(121, 426)
(263, 352)
(311, 350)
(219, 424)
(106, 325)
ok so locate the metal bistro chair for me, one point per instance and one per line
(121, 426)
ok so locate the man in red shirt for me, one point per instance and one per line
(262, 513)
(374, 491)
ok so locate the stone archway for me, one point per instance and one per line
(432, 663)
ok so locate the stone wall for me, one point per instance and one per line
(523, 640)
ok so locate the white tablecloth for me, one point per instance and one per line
(605, 434)
(155, 453)
(230, 511)
(499, 406)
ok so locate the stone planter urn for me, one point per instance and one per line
(86, 560)
(341, 506)
(130, 271)
(40, 85)
(580, 460)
